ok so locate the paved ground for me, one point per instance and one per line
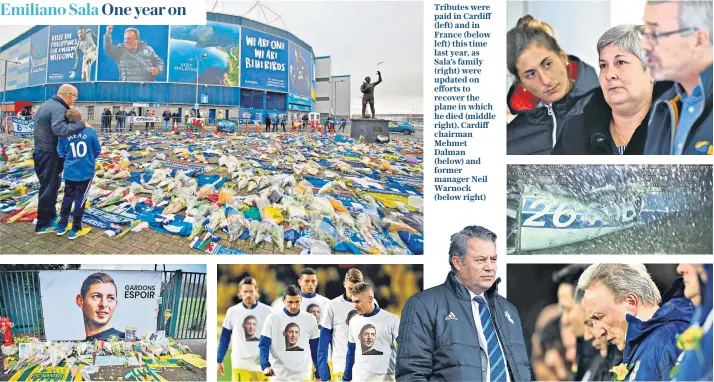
(17, 238)
(20, 238)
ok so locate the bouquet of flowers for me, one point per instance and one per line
(157, 196)
(113, 198)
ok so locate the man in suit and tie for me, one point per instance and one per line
(463, 330)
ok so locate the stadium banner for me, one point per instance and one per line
(72, 54)
(22, 127)
(226, 126)
(137, 53)
(88, 304)
(16, 73)
(297, 99)
(301, 74)
(264, 61)
(219, 42)
(39, 44)
(141, 119)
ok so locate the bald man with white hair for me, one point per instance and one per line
(51, 123)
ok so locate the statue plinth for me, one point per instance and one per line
(368, 128)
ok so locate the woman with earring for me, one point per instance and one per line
(548, 89)
(614, 121)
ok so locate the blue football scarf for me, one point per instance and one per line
(415, 243)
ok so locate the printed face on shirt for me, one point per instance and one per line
(691, 273)
(292, 336)
(250, 328)
(367, 339)
(571, 317)
(350, 315)
(292, 303)
(606, 314)
(477, 271)
(98, 304)
(314, 309)
(622, 79)
(670, 57)
(249, 294)
(543, 73)
(308, 283)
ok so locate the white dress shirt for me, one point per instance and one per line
(479, 330)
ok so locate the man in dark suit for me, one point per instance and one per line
(463, 330)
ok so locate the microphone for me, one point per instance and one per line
(598, 142)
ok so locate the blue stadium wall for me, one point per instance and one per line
(256, 96)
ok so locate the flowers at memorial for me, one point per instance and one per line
(269, 193)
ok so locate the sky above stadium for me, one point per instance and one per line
(357, 36)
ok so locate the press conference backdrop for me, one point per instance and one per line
(578, 24)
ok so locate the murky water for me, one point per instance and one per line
(652, 209)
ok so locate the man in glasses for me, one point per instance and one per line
(678, 43)
(50, 124)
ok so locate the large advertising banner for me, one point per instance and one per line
(301, 74)
(264, 61)
(39, 43)
(17, 73)
(88, 305)
(220, 43)
(133, 53)
(72, 55)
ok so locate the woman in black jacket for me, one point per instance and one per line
(549, 87)
(614, 121)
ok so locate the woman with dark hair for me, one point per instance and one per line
(614, 121)
(549, 87)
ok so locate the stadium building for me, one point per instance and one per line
(232, 67)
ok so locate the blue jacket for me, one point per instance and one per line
(51, 122)
(432, 348)
(696, 365)
(664, 117)
(651, 346)
(80, 152)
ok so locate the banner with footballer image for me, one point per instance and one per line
(88, 304)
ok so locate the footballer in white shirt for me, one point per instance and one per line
(376, 330)
(243, 324)
(289, 341)
(334, 330)
(308, 288)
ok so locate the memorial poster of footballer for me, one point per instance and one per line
(88, 304)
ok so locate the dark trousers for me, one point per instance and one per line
(267, 126)
(74, 193)
(48, 166)
(368, 101)
(283, 125)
